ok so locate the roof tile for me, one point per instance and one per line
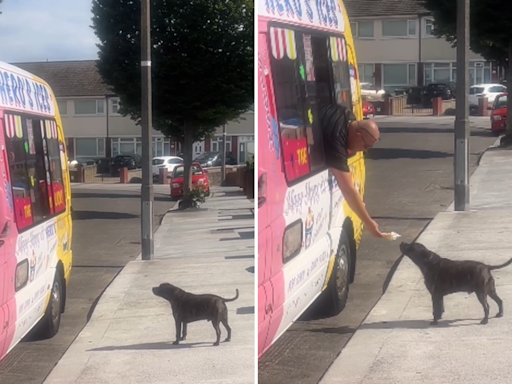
(69, 78)
(373, 8)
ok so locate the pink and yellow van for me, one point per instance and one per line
(307, 235)
(35, 219)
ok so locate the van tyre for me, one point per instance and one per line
(339, 283)
(50, 323)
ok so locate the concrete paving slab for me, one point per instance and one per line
(396, 343)
(130, 334)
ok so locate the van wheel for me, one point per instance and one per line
(50, 323)
(339, 283)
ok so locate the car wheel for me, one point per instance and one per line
(336, 294)
(50, 323)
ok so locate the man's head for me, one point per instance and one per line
(362, 135)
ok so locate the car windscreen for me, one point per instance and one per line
(476, 90)
(206, 156)
(436, 87)
(501, 102)
(122, 158)
(158, 161)
(179, 171)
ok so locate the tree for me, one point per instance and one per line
(490, 23)
(202, 64)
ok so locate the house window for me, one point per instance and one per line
(366, 73)
(115, 106)
(398, 75)
(216, 144)
(429, 27)
(363, 29)
(63, 107)
(398, 28)
(89, 107)
(438, 73)
(34, 162)
(89, 147)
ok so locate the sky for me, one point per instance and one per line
(41, 30)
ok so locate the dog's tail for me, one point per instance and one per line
(233, 299)
(500, 266)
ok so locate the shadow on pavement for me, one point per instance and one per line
(245, 311)
(418, 324)
(402, 153)
(401, 218)
(344, 330)
(98, 215)
(151, 346)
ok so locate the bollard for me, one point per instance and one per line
(162, 176)
(437, 106)
(123, 175)
(483, 106)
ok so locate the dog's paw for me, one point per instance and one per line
(175, 342)
(183, 338)
(434, 322)
(227, 339)
(216, 344)
(484, 321)
(499, 314)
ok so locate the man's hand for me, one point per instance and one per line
(373, 228)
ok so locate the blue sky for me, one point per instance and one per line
(40, 30)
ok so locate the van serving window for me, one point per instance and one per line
(308, 69)
(33, 155)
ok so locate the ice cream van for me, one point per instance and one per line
(307, 235)
(35, 219)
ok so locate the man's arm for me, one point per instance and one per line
(354, 201)
(351, 194)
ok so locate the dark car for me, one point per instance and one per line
(446, 91)
(126, 161)
(214, 159)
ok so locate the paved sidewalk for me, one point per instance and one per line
(479, 122)
(129, 338)
(396, 345)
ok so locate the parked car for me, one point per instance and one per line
(368, 110)
(446, 91)
(499, 114)
(370, 92)
(169, 162)
(214, 159)
(485, 90)
(199, 179)
(126, 161)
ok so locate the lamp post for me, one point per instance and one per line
(461, 128)
(147, 241)
(108, 143)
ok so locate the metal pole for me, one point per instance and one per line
(147, 243)
(223, 164)
(461, 131)
(108, 146)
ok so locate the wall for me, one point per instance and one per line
(439, 49)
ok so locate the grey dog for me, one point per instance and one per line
(444, 276)
(188, 307)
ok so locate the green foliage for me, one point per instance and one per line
(202, 61)
(490, 23)
(250, 164)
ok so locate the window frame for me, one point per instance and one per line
(408, 35)
(65, 112)
(114, 102)
(408, 65)
(428, 23)
(25, 116)
(319, 33)
(372, 22)
(97, 112)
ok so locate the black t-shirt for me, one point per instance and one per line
(334, 120)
